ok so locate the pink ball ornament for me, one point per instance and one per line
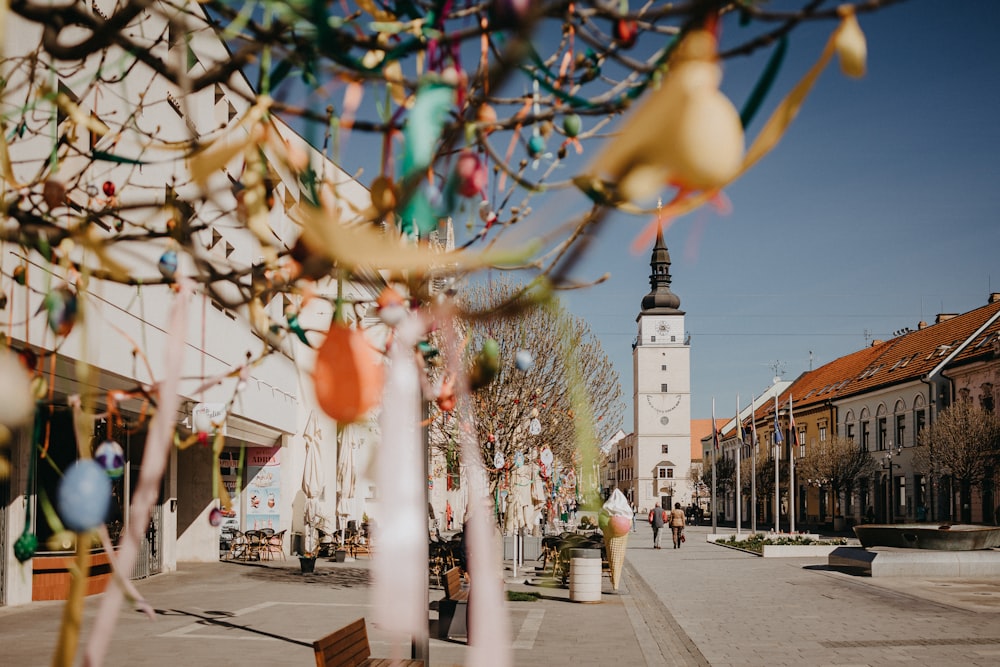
(84, 496)
(471, 174)
(619, 525)
(110, 455)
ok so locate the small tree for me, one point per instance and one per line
(525, 409)
(838, 463)
(962, 444)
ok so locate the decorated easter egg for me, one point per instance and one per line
(536, 145)
(470, 173)
(523, 360)
(168, 264)
(84, 496)
(60, 304)
(17, 405)
(348, 374)
(110, 455)
(25, 547)
(571, 125)
(626, 33)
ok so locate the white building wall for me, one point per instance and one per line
(662, 417)
(276, 399)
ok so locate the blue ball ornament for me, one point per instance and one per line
(111, 456)
(536, 145)
(84, 496)
(523, 360)
(168, 264)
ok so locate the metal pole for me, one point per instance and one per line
(793, 441)
(739, 479)
(753, 465)
(777, 468)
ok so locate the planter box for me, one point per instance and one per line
(50, 576)
(799, 550)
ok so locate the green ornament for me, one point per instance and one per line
(25, 547)
(571, 125)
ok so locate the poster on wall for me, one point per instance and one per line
(263, 490)
(229, 461)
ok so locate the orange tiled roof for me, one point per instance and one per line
(902, 359)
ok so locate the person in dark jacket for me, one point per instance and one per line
(657, 517)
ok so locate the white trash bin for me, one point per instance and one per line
(585, 575)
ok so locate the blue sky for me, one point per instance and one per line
(878, 209)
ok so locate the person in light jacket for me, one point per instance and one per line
(676, 521)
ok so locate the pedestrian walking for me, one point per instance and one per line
(657, 518)
(677, 525)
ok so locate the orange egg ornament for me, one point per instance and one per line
(348, 374)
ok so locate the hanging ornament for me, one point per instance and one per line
(25, 547)
(498, 460)
(20, 275)
(168, 263)
(534, 427)
(17, 404)
(110, 455)
(534, 412)
(491, 438)
(536, 145)
(523, 360)
(384, 195)
(348, 373)
(61, 306)
(470, 173)
(518, 460)
(485, 366)
(547, 457)
(447, 398)
(571, 125)
(215, 517)
(509, 13)
(54, 193)
(84, 496)
(391, 306)
(626, 33)
(108, 188)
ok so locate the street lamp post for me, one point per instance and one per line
(889, 465)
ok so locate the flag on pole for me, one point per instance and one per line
(753, 424)
(777, 428)
(791, 425)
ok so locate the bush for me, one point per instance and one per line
(756, 541)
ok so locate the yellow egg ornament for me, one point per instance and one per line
(687, 134)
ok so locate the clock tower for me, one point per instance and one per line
(661, 394)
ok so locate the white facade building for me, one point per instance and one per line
(661, 394)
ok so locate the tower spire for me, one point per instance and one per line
(660, 300)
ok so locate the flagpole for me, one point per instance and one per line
(739, 479)
(753, 465)
(777, 468)
(715, 452)
(793, 443)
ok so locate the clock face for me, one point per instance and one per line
(662, 403)
(662, 327)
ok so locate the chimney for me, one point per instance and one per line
(994, 297)
(877, 342)
(921, 325)
(944, 317)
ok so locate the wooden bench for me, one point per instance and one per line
(453, 608)
(348, 647)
